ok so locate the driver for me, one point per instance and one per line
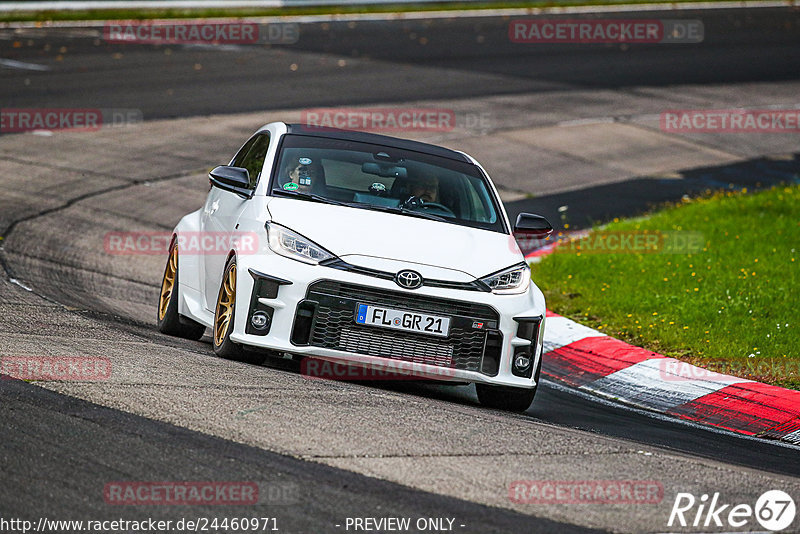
(304, 172)
(425, 188)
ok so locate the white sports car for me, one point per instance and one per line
(361, 249)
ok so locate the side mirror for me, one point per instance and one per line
(233, 179)
(529, 224)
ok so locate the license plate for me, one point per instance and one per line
(421, 323)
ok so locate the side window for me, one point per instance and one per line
(237, 160)
(479, 198)
(251, 157)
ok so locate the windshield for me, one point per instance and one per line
(384, 178)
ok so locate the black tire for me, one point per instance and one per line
(505, 398)
(508, 398)
(169, 321)
(220, 333)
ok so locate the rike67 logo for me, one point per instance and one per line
(774, 510)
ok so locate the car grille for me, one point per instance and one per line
(333, 326)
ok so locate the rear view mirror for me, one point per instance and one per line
(529, 224)
(233, 179)
(385, 171)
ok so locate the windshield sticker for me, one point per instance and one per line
(377, 187)
(304, 161)
(304, 180)
(291, 186)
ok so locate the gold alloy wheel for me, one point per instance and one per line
(225, 304)
(168, 284)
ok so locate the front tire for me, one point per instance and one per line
(509, 398)
(505, 398)
(224, 316)
(169, 321)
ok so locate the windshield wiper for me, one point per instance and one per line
(366, 205)
(309, 196)
(405, 211)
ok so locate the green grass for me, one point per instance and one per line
(142, 14)
(731, 307)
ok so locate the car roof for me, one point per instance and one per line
(376, 139)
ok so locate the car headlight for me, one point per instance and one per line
(513, 280)
(292, 245)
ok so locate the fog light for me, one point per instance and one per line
(259, 320)
(522, 362)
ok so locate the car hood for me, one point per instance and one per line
(392, 242)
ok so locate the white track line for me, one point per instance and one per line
(14, 64)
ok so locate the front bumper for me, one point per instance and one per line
(311, 310)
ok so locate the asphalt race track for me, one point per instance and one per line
(387, 61)
(173, 411)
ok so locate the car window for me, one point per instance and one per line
(251, 157)
(349, 175)
(239, 157)
(384, 177)
(476, 189)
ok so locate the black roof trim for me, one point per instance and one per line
(376, 139)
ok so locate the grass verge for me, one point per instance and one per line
(730, 306)
(343, 9)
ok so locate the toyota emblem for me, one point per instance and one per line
(408, 279)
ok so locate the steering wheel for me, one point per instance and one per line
(416, 203)
(436, 206)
